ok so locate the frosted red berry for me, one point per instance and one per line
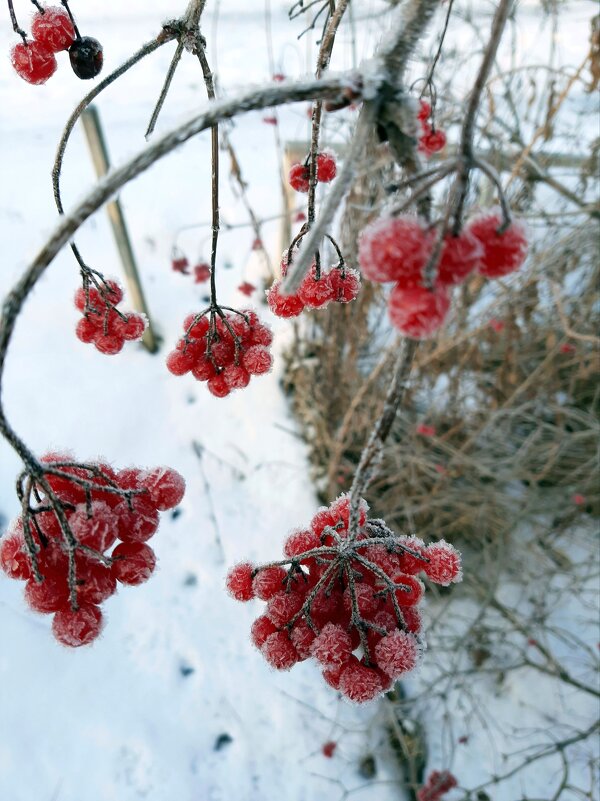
(13, 558)
(432, 142)
(444, 565)
(201, 273)
(460, 256)
(326, 167)
(48, 595)
(53, 28)
(397, 653)
(345, 284)
(279, 651)
(133, 563)
(239, 582)
(316, 292)
(261, 629)
(95, 527)
(332, 646)
(299, 177)
(79, 627)
(395, 249)
(283, 305)
(360, 683)
(418, 312)
(257, 360)
(268, 581)
(503, 253)
(165, 486)
(33, 61)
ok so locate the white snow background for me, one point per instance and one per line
(120, 720)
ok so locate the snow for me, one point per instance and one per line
(144, 712)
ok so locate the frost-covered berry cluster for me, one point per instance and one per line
(53, 31)
(348, 600)
(102, 323)
(223, 349)
(299, 176)
(318, 289)
(432, 139)
(439, 782)
(73, 565)
(398, 249)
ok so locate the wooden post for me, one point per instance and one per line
(97, 145)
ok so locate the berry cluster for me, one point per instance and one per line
(180, 264)
(53, 30)
(102, 323)
(223, 349)
(397, 250)
(432, 139)
(348, 600)
(299, 176)
(439, 782)
(71, 572)
(318, 288)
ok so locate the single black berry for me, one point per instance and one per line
(86, 57)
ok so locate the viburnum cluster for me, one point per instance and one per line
(299, 176)
(224, 349)
(348, 600)
(340, 284)
(398, 249)
(439, 782)
(53, 31)
(102, 323)
(70, 573)
(180, 264)
(432, 139)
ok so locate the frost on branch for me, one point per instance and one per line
(61, 544)
(348, 600)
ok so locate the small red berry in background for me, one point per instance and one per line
(503, 253)
(328, 749)
(270, 120)
(246, 288)
(578, 499)
(108, 507)
(348, 601)
(34, 62)
(394, 249)
(201, 273)
(326, 167)
(432, 142)
(424, 112)
(567, 347)
(497, 325)
(278, 77)
(439, 782)
(257, 244)
(180, 264)
(425, 430)
(53, 28)
(300, 217)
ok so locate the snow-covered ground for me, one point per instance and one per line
(144, 712)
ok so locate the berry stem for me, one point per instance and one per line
(68, 10)
(15, 24)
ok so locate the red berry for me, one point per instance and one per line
(138, 522)
(134, 563)
(414, 592)
(365, 598)
(360, 683)
(180, 362)
(132, 327)
(412, 618)
(166, 487)
(95, 583)
(268, 581)
(279, 651)
(218, 386)
(409, 563)
(109, 345)
(432, 142)
(397, 653)
(34, 62)
(332, 675)
(283, 305)
(332, 647)
(282, 607)
(394, 249)
(261, 335)
(502, 253)
(326, 167)
(418, 313)
(300, 542)
(257, 360)
(302, 637)
(236, 376)
(53, 29)
(345, 286)
(460, 256)
(316, 292)
(261, 629)
(246, 288)
(87, 329)
(180, 264)
(425, 430)
(97, 530)
(81, 627)
(324, 518)
(299, 177)
(239, 582)
(328, 749)
(48, 596)
(201, 273)
(424, 111)
(13, 558)
(444, 563)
